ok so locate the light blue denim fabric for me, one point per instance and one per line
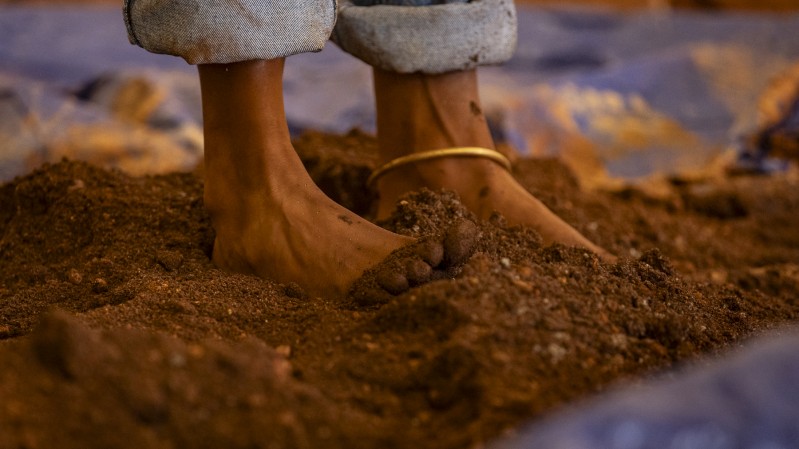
(434, 36)
(431, 39)
(748, 400)
(224, 31)
(405, 2)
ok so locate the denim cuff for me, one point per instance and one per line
(225, 31)
(429, 39)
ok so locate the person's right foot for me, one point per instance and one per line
(270, 219)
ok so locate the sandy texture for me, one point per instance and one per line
(118, 332)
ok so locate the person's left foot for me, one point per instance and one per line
(418, 113)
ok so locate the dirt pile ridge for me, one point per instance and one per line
(117, 331)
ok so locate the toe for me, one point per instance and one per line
(417, 271)
(392, 280)
(430, 251)
(460, 242)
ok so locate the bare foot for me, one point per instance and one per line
(417, 112)
(270, 218)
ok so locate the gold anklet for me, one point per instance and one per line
(436, 154)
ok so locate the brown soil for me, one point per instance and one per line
(118, 332)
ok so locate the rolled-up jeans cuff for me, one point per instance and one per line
(429, 39)
(225, 31)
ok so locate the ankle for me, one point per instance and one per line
(248, 151)
(419, 112)
(472, 178)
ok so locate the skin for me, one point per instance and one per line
(270, 218)
(419, 112)
(272, 221)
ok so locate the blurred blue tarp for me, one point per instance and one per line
(620, 96)
(748, 401)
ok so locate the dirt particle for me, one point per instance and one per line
(284, 350)
(557, 352)
(77, 184)
(74, 276)
(293, 290)
(345, 219)
(656, 260)
(475, 108)
(523, 285)
(6, 331)
(169, 260)
(99, 285)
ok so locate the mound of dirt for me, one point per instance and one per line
(117, 331)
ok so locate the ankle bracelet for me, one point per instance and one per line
(437, 154)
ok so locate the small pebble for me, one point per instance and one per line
(284, 350)
(77, 184)
(557, 352)
(293, 290)
(74, 276)
(170, 260)
(524, 286)
(99, 285)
